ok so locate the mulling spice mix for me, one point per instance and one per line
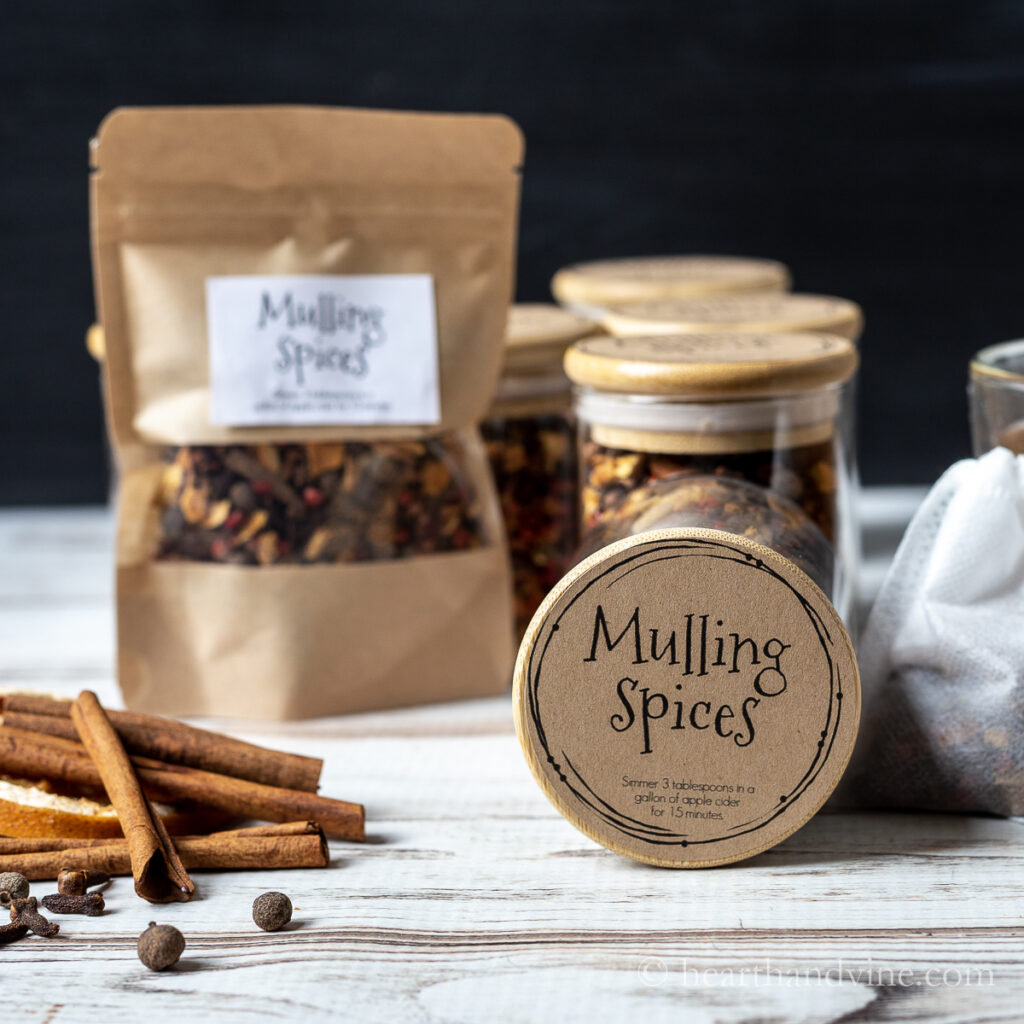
(300, 504)
(717, 503)
(534, 464)
(530, 436)
(805, 475)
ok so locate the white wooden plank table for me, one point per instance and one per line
(473, 900)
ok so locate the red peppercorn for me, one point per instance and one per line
(313, 496)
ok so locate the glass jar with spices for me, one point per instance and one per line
(746, 433)
(531, 442)
(737, 314)
(591, 288)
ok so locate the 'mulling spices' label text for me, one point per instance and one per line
(700, 652)
(359, 328)
(322, 350)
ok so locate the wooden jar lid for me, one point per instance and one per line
(712, 365)
(606, 283)
(737, 313)
(638, 729)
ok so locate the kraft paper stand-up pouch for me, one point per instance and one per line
(304, 312)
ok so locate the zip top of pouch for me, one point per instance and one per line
(299, 273)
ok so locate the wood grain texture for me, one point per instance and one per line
(474, 901)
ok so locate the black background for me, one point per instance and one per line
(877, 148)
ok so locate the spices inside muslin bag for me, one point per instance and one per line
(942, 657)
(304, 313)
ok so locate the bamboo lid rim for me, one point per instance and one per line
(712, 365)
(798, 311)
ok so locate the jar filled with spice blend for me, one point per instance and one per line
(531, 442)
(736, 314)
(591, 288)
(747, 433)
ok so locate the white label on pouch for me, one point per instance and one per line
(322, 350)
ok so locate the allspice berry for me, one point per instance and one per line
(160, 946)
(17, 885)
(272, 911)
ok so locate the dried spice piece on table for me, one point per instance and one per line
(77, 882)
(160, 946)
(272, 911)
(12, 932)
(805, 475)
(16, 885)
(31, 755)
(166, 739)
(300, 844)
(301, 504)
(534, 464)
(91, 904)
(159, 874)
(26, 912)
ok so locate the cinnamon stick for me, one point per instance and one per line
(166, 739)
(10, 845)
(299, 845)
(160, 876)
(34, 756)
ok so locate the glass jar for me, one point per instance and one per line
(531, 442)
(591, 288)
(737, 314)
(997, 398)
(667, 423)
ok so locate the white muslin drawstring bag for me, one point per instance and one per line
(942, 657)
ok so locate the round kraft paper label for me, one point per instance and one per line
(687, 697)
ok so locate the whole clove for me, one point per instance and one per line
(26, 912)
(12, 932)
(76, 883)
(90, 904)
